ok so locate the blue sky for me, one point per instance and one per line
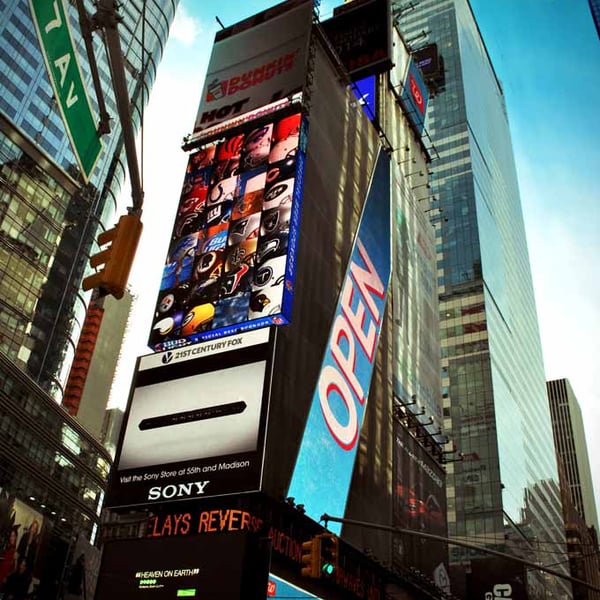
(547, 55)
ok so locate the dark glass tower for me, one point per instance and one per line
(48, 217)
(505, 493)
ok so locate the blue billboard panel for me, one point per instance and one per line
(280, 588)
(415, 95)
(364, 90)
(231, 262)
(321, 477)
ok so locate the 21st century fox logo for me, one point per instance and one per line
(208, 347)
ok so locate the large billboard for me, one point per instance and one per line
(360, 35)
(419, 504)
(226, 566)
(256, 62)
(24, 537)
(321, 476)
(407, 82)
(195, 425)
(232, 258)
(415, 95)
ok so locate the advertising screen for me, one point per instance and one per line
(195, 423)
(219, 567)
(419, 504)
(231, 262)
(24, 534)
(360, 34)
(256, 62)
(280, 588)
(415, 95)
(428, 60)
(321, 476)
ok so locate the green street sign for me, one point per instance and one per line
(54, 34)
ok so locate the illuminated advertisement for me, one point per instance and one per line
(222, 567)
(360, 35)
(280, 588)
(428, 60)
(231, 262)
(321, 476)
(364, 90)
(195, 423)
(419, 504)
(415, 95)
(256, 62)
(23, 542)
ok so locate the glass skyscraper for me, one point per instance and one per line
(504, 494)
(53, 473)
(48, 216)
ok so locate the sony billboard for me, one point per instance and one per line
(195, 424)
(360, 34)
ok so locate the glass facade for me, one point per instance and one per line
(48, 217)
(504, 493)
(52, 472)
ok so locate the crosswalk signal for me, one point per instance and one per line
(329, 555)
(116, 260)
(311, 557)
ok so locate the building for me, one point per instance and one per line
(98, 350)
(505, 493)
(254, 397)
(52, 471)
(579, 505)
(569, 437)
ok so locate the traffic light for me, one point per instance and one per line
(311, 557)
(115, 261)
(329, 559)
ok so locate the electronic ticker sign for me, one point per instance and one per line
(227, 566)
(232, 259)
(360, 34)
(323, 470)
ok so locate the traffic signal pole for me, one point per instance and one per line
(106, 18)
(439, 538)
(115, 260)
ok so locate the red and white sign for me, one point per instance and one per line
(416, 94)
(274, 47)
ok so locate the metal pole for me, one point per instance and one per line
(439, 538)
(107, 18)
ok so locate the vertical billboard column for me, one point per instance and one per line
(232, 258)
(323, 470)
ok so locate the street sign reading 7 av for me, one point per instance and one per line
(54, 34)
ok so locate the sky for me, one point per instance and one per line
(546, 54)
